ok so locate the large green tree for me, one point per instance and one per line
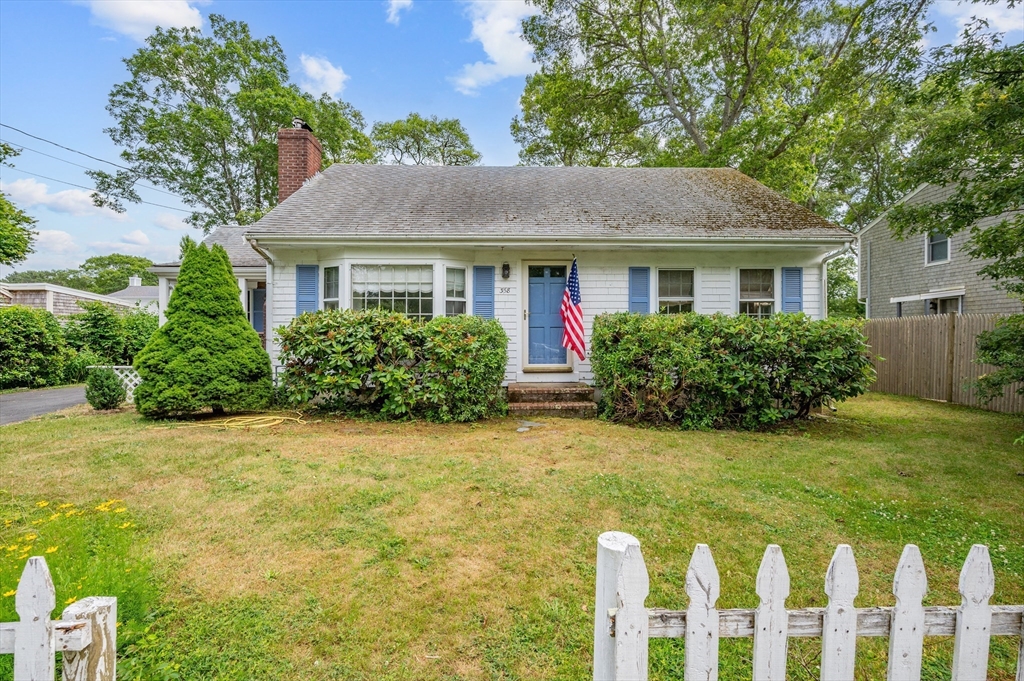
(207, 354)
(416, 140)
(99, 274)
(199, 118)
(16, 234)
(842, 288)
(796, 93)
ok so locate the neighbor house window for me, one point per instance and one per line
(675, 291)
(331, 287)
(408, 289)
(454, 291)
(757, 292)
(944, 305)
(938, 247)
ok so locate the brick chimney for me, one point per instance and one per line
(298, 157)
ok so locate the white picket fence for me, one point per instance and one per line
(86, 633)
(623, 625)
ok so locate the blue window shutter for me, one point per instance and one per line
(483, 292)
(306, 277)
(640, 289)
(792, 289)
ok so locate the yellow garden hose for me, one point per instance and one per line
(241, 422)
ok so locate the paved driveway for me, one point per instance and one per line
(24, 405)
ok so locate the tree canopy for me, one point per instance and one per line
(99, 274)
(16, 234)
(416, 140)
(199, 118)
(795, 94)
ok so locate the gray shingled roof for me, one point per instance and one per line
(430, 201)
(231, 237)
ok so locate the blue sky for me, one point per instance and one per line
(464, 59)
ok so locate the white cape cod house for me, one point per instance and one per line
(498, 242)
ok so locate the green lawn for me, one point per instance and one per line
(355, 550)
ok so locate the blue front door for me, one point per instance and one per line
(547, 285)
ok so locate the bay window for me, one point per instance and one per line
(408, 289)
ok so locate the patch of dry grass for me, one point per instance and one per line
(357, 550)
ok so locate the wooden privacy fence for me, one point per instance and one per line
(623, 624)
(933, 357)
(86, 632)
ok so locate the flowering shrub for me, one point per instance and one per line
(379, 363)
(718, 371)
(90, 551)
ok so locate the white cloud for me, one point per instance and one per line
(55, 241)
(138, 18)
(1000, 17)
(171, 223)
(395, 8)
(322, 76)
(497, 25)
(27, 193)
(136, 237)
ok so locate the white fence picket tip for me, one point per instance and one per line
(703, 587)
(974, 617)
(33, 640)
(906, 633)
(631, 622)
(611, 548)
(839, 629)
(771, 622)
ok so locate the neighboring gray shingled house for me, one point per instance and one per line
(925, 274)
(498, 242)
(144, 297)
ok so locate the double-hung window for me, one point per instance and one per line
(675, 291)
(454, 291)
(938, 247)
(757, 292)
(408, 289)
(332, 286)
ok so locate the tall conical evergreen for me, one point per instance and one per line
(207, 354)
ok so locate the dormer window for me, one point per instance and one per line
(938, 247)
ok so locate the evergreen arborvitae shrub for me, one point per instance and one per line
(207, 354)
(104, 390)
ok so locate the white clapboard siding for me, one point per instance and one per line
(839, 630)
(771, 624)
(974, 618)
(906, 637)
(86, 634)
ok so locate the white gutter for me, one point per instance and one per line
(310, 240)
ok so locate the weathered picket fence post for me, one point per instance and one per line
(974, 617)
(906, 631)
(771, 621)
(34, 650)
(97, 661)
(611, 551)
(839, 629)
(703, 588)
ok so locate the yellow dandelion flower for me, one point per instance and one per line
(8, 594)
(23, 557)
(63, 506)
(127, 569)
(120, 510)
(37, 522)
(79, 587)
(13, 547)
(117, 626)
(71, 600)
(55, 516)
(51, 549)
(124, 526)
(30, 537)
(42, 504)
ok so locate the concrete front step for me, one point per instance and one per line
(550, 392)
(579, 410)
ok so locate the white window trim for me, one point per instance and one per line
(776, 288)
(927, 250)
(398, 262)
(655, 299)
(465, 287)
(323, 284)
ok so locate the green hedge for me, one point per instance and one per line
(32, 348)
(720, 371)
(380, 363)
(113, 335)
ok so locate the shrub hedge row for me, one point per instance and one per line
(699, 371)
(380, 363)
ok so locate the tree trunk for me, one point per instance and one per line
(218, 410)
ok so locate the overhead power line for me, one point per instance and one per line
(93, 189)
(56, 144)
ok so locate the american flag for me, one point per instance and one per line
(572, 315)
